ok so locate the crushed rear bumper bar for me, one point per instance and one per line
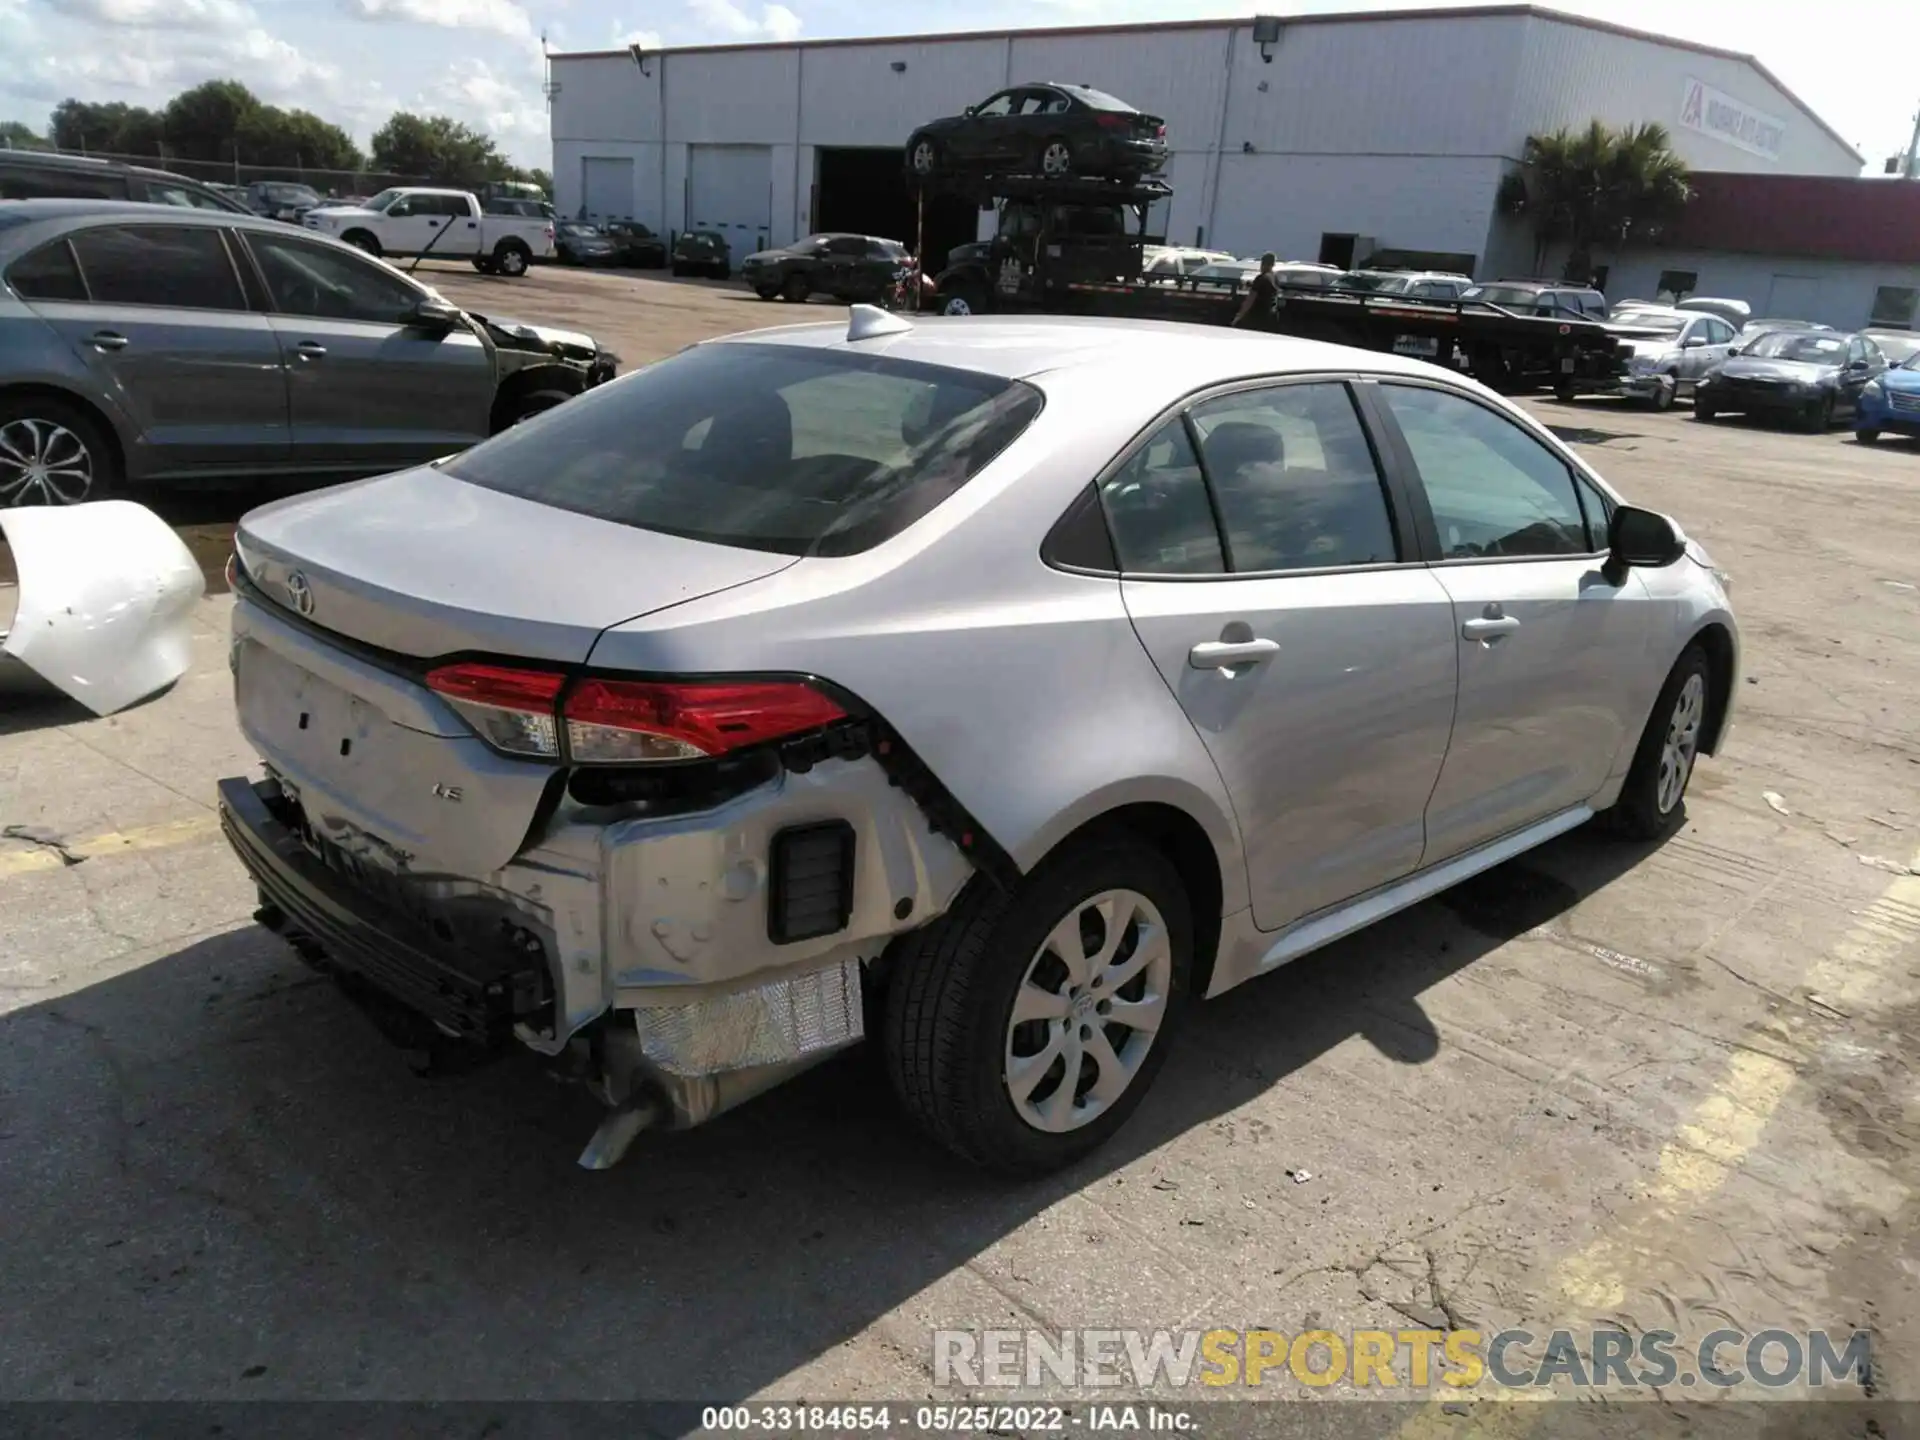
(476, 992)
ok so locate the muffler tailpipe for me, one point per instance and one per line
(618, 1129)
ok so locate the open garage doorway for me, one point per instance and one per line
(864, 190)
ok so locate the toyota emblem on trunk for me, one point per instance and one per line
(300, 593)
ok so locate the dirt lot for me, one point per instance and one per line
(1673, 1089)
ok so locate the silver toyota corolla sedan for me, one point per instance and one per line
(998, 685)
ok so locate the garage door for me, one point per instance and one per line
(607, 188)
(730, 189)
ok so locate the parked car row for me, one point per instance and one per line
(142, 344)
(850, 268)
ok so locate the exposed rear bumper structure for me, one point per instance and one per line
(473, 992)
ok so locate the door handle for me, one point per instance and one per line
(1490, 629)
(1221, 654)
(107, 340)
(310, 350)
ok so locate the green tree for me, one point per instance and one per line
(1596, 186)
(438, 149)
(15, 135)
(203, 123)
(114, 129)
(294, 139)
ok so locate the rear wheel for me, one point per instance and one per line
(964, 297)
(1056, 157)
(1022, 1030)
(53, 453)
(510, 258)
(1652, 802)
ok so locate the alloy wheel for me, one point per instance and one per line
(512, 262)
(1056, 159)
(956, 305)
(43, 463)
(1682, 743)
(1088, 1010)
(923, 158)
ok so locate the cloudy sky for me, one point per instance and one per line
(355, 61)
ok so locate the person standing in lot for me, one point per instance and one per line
(1256, 311)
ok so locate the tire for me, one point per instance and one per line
(767, 292)
(69, 455)
(679, 270)
(511, 258)
(794, 290)
(1650, 806)
(923, 157)
(1566, 394)
(1703, 412)
(1662, 398)
(1820, 416)
(964, 298)
(363, 240)
(723, 272)
(1054, 157)
(949, 1037)
(535, 402)
(1869, 436)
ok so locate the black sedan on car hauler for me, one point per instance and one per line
(1042, 129)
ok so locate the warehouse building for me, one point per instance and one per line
(1343, 137)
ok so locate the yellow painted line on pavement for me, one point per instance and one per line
(29, 857)
(1860, 972)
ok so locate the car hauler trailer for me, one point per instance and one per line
(1069, 245)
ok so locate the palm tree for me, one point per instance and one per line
(1596, 186)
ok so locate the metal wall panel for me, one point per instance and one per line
(607, 187)
(851, 94)
(730, 189)
(1439, 86)
(740, 97)
(1834, 292)
(606, 97)
(1571, 74)
(1284, 203)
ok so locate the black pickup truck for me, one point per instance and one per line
(1073, 246)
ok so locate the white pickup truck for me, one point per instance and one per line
(410, 220)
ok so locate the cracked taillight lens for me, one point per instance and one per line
(512, 710)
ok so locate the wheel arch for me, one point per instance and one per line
(1722, 673)
(110, 424)
(1199, 840)
(524, 382)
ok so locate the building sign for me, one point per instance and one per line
(1717, 114)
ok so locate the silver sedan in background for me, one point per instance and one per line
(1004, 685)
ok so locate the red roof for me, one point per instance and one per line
(1819, 217)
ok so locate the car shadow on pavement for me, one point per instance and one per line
(213, 1169)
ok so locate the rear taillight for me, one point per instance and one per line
(1107, 120)
(1159, 132)
(626, 722)
(512, 710)
(637, 721)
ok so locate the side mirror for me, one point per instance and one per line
(1693, 342)
(971, 110)
(434, 315)
(1858, 367)
(1643, 538)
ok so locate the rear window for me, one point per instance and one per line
(766, 447)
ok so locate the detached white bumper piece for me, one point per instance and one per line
(105, 610)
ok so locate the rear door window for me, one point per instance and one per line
(47, 274)
(28, 182)
(178, 267)
(767, 447)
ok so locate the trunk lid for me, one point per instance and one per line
(424, 565)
